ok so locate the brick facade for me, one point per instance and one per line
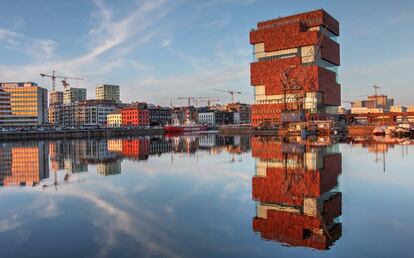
(136, 114)
(305, 45)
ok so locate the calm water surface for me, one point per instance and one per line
(206, 196)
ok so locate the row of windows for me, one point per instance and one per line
(268, 58)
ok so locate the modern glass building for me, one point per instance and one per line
(22, 104)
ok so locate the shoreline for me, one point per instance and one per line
(79, 133)
(350, 131)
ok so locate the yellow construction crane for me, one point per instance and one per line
(53, 76)
(231, 92)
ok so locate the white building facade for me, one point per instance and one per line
(207, 118)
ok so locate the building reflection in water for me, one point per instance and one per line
(23, 164)
(28, 163)
(295, 186)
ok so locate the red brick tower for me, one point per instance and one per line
(295, 67)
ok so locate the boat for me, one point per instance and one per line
(378, 131)
(402, 132)
(188, 126)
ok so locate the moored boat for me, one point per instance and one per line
(187, 126)
(378, 131)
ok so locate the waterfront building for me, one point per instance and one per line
(72, 95)
(107, 92)
(374, 102)
(159, 115)
(135, 114)
(365, 110)
(295, 67)
(89, 112)
(5, 106)
(23, 104)
(114, 119)
(207, 117)
(68, 117)
(55, 107)
(398, 109)
(243, 109)
(93, 112)
(226, 118)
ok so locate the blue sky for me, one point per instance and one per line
(158, 50)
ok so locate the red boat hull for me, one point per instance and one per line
(182, 129)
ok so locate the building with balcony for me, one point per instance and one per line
(295, 67)
(107, 92)
(93, 112)
(23, 104)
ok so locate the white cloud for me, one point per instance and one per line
(110, 42)
(166, 42)
(37, 48)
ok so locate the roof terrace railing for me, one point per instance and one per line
(281, 23)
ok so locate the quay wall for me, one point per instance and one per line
(84, 133)
(235, 130)
(360, 130)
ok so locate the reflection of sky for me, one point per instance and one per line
(199, 206)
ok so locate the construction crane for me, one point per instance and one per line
(53, 76)
(231, 92)
(376, 87)
(208, 100)
(189, 99)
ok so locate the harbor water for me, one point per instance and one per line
(206, 196)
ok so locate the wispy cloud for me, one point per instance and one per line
(110, 41)
(38, 48)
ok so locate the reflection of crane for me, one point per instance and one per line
(189, 99)
(65, 181)
(232, 160)
(208, 100)
(53, 76)
(231, 92)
